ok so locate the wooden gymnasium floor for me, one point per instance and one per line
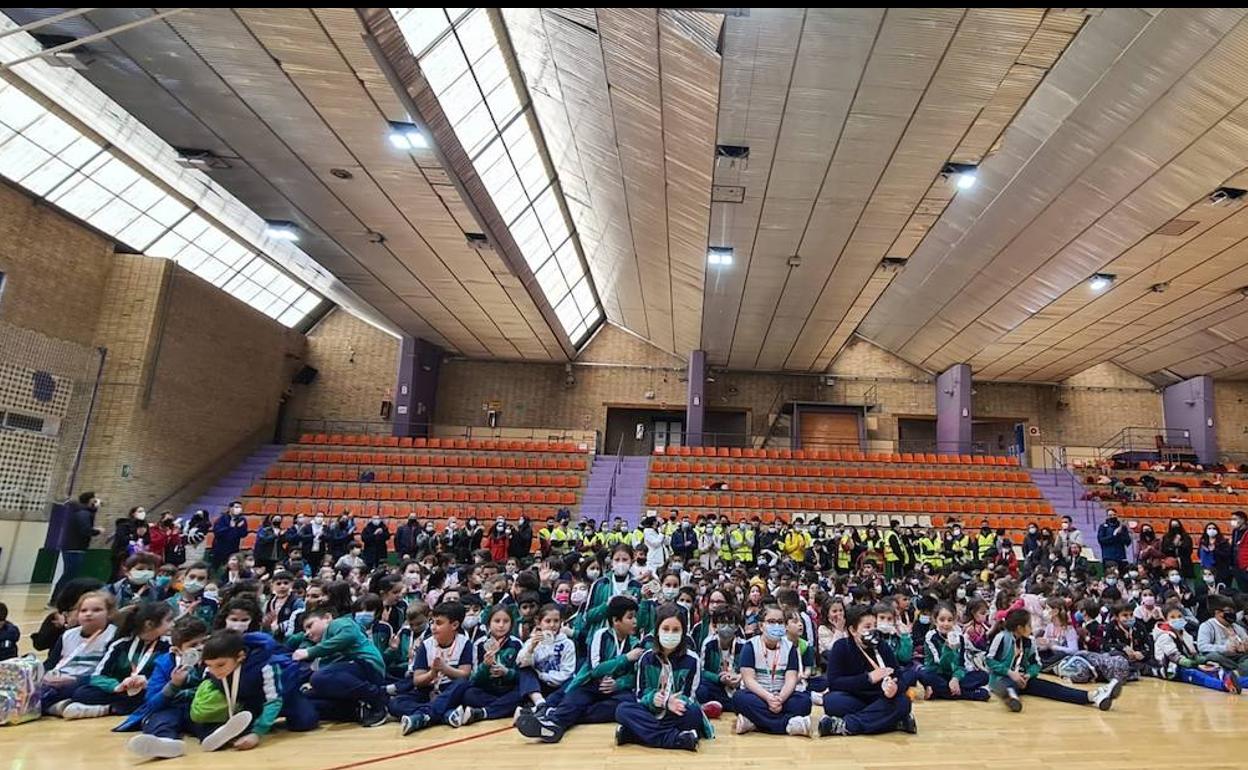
(1153, 725)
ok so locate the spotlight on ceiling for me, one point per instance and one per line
(407, 136)
(963, 175)
(1159, 287)
(1100, 281)
(720, 256)
(281, 230)
(1224, 196)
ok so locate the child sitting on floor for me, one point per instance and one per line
(256, 682)
(548, 659)
(441, 659)
(347, 684)
(720, 652)
(666, 714)
(1014, 670)
(1176, 656)
(768, 699)
(78, 651)
(866, 691)
(166, 713)
(138, 581)
(603, 683)
(490, 692)
(191, 599)
(944, 661)
(119, 683)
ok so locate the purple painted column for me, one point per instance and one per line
(953, 410)
(695, 406)
(1188, 406)
(416, 387)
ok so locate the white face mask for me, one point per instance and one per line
(669, 592)
(240, 626)
(593, 574)
(621, 568)
(669, 640)
(578, 595)
(886, 627)
(471, 621)
(141, 576)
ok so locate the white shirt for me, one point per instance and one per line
(655, 549)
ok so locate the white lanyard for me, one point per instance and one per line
(230, 687)
(84, 644)
(148, 652)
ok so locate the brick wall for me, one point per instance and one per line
(54, 270)
(356, 367)
(192, 384)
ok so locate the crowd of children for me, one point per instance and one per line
(659, 634)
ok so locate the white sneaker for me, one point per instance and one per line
(1103, 696)
(233, 728)
(83, 711)
(800, 726)
(743, 725)
(816, 698)
(457, 717)
(58, 709)
(155, 747)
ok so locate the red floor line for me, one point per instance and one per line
(418, 750)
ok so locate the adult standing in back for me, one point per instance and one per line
(1067, 536)
(227, 535)
(520, 546)
(76, 538)
(124, 532)
(1114, 539)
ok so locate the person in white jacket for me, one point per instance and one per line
(1177, 657)
(1067, 536)
(547, 660)
(655, 541)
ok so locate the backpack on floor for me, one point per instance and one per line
(20, 680)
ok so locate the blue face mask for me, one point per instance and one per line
(774, 630)
(1178, 624)
(365, 619)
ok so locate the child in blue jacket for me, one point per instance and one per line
(166, 713)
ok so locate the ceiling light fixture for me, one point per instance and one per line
(963, 175)
(407, 136)
(1225, 195)
(720, 256)
(1101, 281)
(281, 230)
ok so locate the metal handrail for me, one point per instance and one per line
(615, 474)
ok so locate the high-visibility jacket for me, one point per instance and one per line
(725, 544)
(742, 541)
(795, 544)
(931, 551)
(591, 542)
(845, 552)
(985, 544)
(559, 540)
(892, 547)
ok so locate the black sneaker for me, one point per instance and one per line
(687, 740)
(531, 726)
(413, 722)
(622, 736)
(908, 725)
(373, 715)
(832, 726)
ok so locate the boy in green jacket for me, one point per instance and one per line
(347, 684)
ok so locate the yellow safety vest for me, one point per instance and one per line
(742, 545)
(845, 553)
(558, 540)
(985, 544)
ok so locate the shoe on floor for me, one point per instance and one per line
(743, 725)
(816, 698)
(233, 728)
(713, 709)
(1103, 696)
(832, 726)
(58, 709)
(533, 726)
(687, 740)
(1230, 682)
(373, 716)
(908, 725)
(413, 722)
(1012, 701)
(83, 711)
(622, 736)
(801, 726)
(978, 694)
(154, 747)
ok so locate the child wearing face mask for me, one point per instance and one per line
(1124, 637)
(721, 651)
(866, 691)
(604, 682)
(944, 669)
(1014, 670)
(241, 613)
(1223, 641)
(666, 713)
(138, 581)
(191, 600)
(441, 659)
(1176, 656)
(547, 660)
(1147, 614)
(351, 559)
(281, 606)
(78, 650)
(592, 615)
(768, 698)
(901, 645)
(166, 712)
(119, 683)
